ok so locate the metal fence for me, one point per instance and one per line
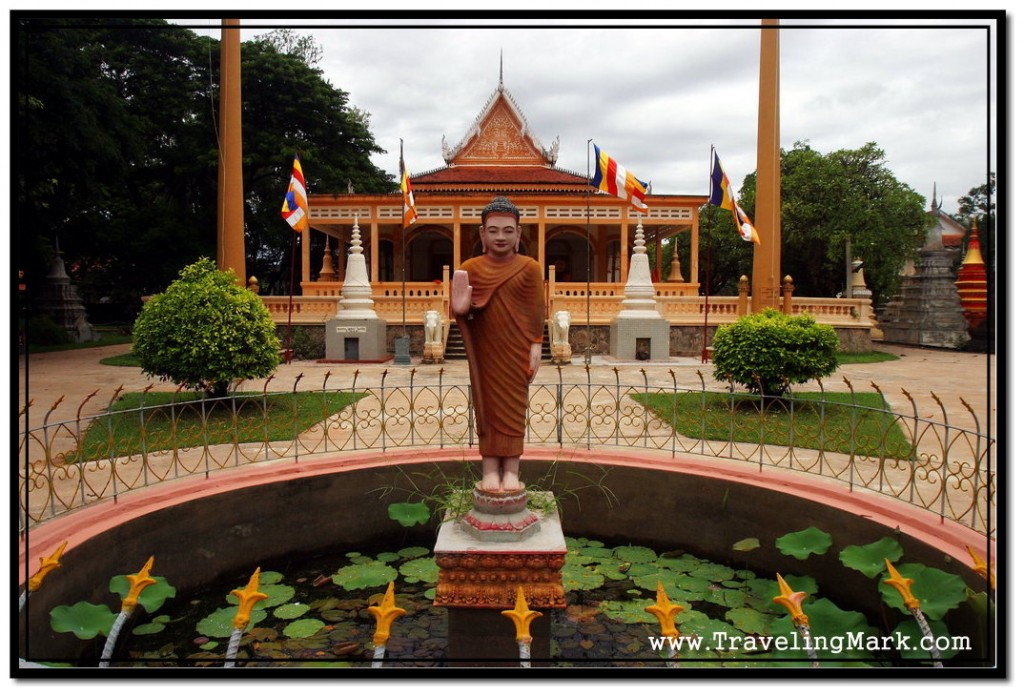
(853, 438)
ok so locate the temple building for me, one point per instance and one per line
(582, 239)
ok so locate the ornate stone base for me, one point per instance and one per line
(561, 353)
(483, 558)
(433, 353)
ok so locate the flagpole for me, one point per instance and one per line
(707, 262)
(402, 342)
(588, 350)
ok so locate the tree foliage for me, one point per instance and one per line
(206, 331)
(769, 351)
(826, 199)
(118, 149)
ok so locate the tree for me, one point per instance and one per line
(769, 351)
(206, 331)
(118, 149)
(827, 199)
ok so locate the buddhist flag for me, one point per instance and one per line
(612, 178)
(722, 196)
(408, 202)
(294, 210)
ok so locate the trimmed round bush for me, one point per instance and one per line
(205, 331)
(769, 351)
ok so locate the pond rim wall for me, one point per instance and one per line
(202, 529)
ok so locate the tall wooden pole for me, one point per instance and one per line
(230, 223)
(767, 215)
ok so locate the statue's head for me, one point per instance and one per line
(501, 205)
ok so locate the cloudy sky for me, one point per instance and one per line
(656, 94)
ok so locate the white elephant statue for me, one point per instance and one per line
(561, 351)
(433, 337)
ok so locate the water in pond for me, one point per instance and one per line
(317, 613)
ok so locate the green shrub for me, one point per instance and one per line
(44, 331)
(206, 331)
(769, 351)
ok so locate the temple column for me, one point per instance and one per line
(695, 247)
(305, 256)
(624, 248)
(767, 254)
(374, 252)
(541, 241)
(456, 245)
(230, 205)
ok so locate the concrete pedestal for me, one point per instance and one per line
(482, 562)
(356, 339)
(639, 338)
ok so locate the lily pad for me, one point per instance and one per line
(303, 628)
(750, 620)
(635, 554)
(219, 623)
(937, 590)
(831, 627)
(148, 629)
(420, 570)
(409, 514)
(151, 598)
(413, 551)
(715, 572)
(870, 558)
(387, 557)
(291, 611)
(270, 577)
(650, 581)
(801, 545)
(612, 571)
(725, 597)
(431, 593)
(748, 544)
(680, 564)
(355, 577)
(629, 611)
(579, 577)
(276, 596)
(596, 553)
(83, 619)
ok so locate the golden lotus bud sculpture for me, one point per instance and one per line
(521, 616)
(792, 601)
(981, 567)
(46, 564)
(902, 586)
(385, 613)
(666, 612)
(247, 599)
(138, 582)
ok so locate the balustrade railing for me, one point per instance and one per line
(860, 441)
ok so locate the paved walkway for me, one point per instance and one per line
(950, 376)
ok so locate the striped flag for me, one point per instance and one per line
(408, 202)
(722, 196)
(612, 178)
(295, 208)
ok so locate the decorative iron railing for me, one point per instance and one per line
(853, 438)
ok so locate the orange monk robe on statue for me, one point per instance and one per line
(506, 318)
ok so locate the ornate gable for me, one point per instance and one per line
(500, 135)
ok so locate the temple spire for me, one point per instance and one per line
(501, 68)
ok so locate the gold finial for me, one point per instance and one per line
(981, 567)
(666, 613)
(902, 586)
(247, 599)
(792, 601)
(521, 616)
(51, 562)
(385, 613)
(139, 581)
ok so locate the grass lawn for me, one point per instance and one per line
(108, 337)
(122, 360)
(861, 358)
(811, 420)
(176, 420)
